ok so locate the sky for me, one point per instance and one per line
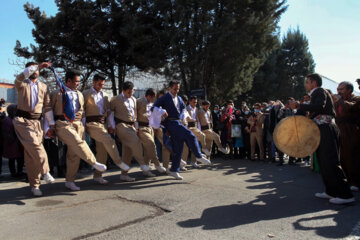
(331, 26)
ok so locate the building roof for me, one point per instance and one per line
(7, 85)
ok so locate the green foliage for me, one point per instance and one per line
(219, 44)
(215, 44)
(283, 74)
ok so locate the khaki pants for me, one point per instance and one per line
(131, 144)
(30, 135)
(105, 144)
(211, 137)
(146, 135)
(185, 154)
(201, 137)
(165, 153)
(256, 138)
(72, 134)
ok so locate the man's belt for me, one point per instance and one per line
(28, 115)
(117, 121)
(98, 119)
(191, 124)
(143, 124)
(62, 118)
(206, 127)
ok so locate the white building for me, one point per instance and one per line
(332, 85)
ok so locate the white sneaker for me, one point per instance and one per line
(48, 178)
(206, 151)
(224, 150)
(36, 191)
(72, 186)
(101, 180)
(203, 161)
(195, 165)
(160, 169)
(126, 178)
(341, 200)
(182, 163)
(354, 188)
(145, 168)
(99, 166)
(123, 166)
(184, 169)
(176, 175)
(323, 195)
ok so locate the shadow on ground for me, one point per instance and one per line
(288, 192)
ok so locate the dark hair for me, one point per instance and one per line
(291, 99)
(348, 85)
(11, 110)
(173, 82)
(70, 74)
(150, 92)
(30, 64)
(193, 97)
(161, 92)
(358, 80)
(306, 95)
(99, 77)
(329, 91)
(315, 77)
(257, 105)
(205, 103)
(127, 85)
(229, 102)
(185, 98)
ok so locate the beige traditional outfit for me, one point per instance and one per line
(72, 134)
(125, 117)
(33, 100)
(98, 118)
(205, 120)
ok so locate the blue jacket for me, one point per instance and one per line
(167, 103)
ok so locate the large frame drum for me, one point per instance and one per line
(297, 136)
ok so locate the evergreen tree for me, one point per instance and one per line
(284, 71)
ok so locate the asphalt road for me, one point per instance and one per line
(233, 199)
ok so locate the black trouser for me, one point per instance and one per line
(56, 152)
(329, 163)
(19, 168)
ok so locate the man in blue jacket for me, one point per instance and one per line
(173, 108)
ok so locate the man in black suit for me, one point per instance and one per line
(322, 111)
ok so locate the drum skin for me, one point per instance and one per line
(297, 136)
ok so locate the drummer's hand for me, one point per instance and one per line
(44, 65)
(294, 104)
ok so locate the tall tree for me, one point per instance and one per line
(296, 61)
(283, 73)
(103, 35)
(220, 45)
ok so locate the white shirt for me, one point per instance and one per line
(73, 94)
(207, 117)
(176, 101)
(34, 87)
(99, 100)
(148, 108)
(193, 112)
(130, 105)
